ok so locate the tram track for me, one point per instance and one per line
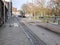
(35, 40)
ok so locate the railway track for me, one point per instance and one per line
(35, 40)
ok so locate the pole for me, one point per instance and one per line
(10, 6)
(9, 9)
(4, 11)
(10, 12)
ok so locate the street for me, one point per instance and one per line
(29, 22)
(47, 36)
(18, 31)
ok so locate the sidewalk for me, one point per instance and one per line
(52, 27)
(13, 35)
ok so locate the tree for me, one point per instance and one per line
(40, 3)
(55, 6)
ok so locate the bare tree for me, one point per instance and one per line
(55, 6)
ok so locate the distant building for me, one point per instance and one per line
(18, 12)
(15, 11)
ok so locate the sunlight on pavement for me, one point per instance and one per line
(16, 24)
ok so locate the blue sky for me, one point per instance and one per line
(19, 3)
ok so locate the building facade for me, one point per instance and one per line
(5, 11)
